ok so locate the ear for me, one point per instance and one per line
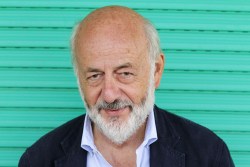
(159, 68)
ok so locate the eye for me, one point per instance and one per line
(126, 77)
(126, 74)
(94, 77)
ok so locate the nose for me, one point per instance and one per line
(110, 89)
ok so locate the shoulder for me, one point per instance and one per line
(181, 126)
(200, 145)
(48, 147)
(54, 137)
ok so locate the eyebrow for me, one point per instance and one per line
(93, 70)
(126, 65)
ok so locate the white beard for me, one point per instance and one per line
(115, 129)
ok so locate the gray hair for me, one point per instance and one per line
(152, 36)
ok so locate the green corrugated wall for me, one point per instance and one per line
(207, 75)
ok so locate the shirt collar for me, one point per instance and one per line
(87, 136)
(87, 142)
(150, 132)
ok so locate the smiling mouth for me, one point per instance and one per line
(115, 109)
(115, 112)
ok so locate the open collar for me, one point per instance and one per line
(163, 152)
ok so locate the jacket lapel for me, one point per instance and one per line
(75, 159)
(163, 152)
(74, 155)
(161, 155)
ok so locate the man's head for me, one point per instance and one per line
(119, 63)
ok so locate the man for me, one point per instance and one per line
(119, 63)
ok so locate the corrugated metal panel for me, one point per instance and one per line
(223, 5)
(175, 60)
(207, 75)
(165, 19)
(171, 39)
(173, 80)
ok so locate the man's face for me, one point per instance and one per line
(114, 74)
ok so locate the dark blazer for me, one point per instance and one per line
(181, 143)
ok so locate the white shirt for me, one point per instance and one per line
(95, 158)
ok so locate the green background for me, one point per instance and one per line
(206, 77)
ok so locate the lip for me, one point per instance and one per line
(116, 112)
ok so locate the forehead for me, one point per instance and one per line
(111, 33)
(110, 41)
(112, 58)
(106, 42)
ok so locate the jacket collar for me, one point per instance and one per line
(163, 152)
(71, 146)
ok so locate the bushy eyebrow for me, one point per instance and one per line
(126, 65)
(93, 70)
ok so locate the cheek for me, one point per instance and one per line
(136, 93)
(144, 87)
(90, 94)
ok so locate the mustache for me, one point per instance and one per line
(117, 104)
